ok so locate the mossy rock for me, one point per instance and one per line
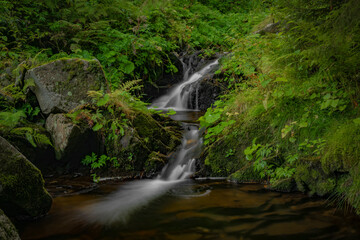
(155, 162)
(247, 174)
(71, 142)
(156, 136)
(7, 229)
(145, 146)
(283, 185)
(310, 178)
(22, 189)
(62, 85)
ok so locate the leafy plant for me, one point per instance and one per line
(96, 162)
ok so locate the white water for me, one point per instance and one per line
(179, 96)
(137, 194)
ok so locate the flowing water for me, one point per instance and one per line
(179, 97)
(173, 206)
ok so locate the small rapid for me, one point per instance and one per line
(119, 206)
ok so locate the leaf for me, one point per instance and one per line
(303, 124)
(286, 130)
(127, 67)
(103, 100)
(327, 96)
(30, 139)
(97, 127)
(325, 104)
(357, 121)
(335, 102)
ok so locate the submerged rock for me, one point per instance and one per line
(22, 189)
(71, 142)
(63, 84)
(7, 229)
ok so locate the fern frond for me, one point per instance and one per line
(95, 94)
(11, 119)
(34, 137)
(130, 85)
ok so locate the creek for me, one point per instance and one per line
(174, 206)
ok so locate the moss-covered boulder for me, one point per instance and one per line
(145, 147)
(283, 185)
(71, 142)
(22, 189)
(310, 177)
(246, 174)
(7, 229)
(63, 84)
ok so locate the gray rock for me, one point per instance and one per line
(7, 229)
(23, 191)
(71, 142)
(62, 85)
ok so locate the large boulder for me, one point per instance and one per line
(22, 189)
(71, 142)
(63, 84)
(7, 229)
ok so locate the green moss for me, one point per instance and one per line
(155, 162)
(283, 185)
(246, 174)
(22, 183)
(7, 229)
(309, 176)
(154, 135)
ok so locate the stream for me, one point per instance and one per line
(173, 206)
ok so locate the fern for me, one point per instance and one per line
(130, 86)
(34, 137)
(9, 120)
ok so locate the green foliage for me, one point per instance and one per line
(132, 39)
(296, 92)
(15, 119)
(96, 162)
(214, 123)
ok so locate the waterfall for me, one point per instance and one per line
(134, 195)
(179, 96)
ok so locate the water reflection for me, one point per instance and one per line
(127, 199)
(201, 210)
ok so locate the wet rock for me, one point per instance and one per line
(7, 229)
(164, 81)
(22, 191)
(205, 93)
(71, 142)
(63, 84)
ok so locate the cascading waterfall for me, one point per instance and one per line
(134, 195)
(179, 96)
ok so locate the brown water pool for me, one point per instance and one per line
(199, 210)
